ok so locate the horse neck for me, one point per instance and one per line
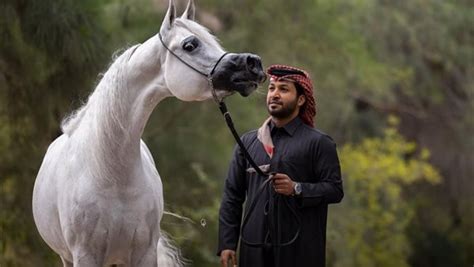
(115, 116)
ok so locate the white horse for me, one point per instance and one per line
(98, 197)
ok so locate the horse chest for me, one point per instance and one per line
(112, 221)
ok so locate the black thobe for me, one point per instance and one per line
(307, 156)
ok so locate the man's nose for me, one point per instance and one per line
(275, 93)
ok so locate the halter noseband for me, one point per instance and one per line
(208, 76)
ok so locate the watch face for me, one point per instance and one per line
(298, 188)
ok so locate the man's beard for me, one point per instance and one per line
(285, 111)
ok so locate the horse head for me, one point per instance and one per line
(195, 63)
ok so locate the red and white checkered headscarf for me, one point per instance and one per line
(301, 77)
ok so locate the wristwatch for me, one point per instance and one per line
(297, 189)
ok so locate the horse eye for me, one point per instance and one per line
(189, 47)
(190, 43)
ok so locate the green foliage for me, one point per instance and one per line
(369, 227)
(49, 51)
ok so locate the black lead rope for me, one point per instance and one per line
(230, 124)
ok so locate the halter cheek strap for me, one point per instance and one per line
(208, 76)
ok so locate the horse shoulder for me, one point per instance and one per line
(146, 154)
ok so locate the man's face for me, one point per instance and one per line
(282, 99)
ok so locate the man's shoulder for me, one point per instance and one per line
(250, 135)
(317, 135)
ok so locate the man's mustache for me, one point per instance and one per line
(275, 102)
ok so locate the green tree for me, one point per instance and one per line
(50, 51)
(369, 228)
(428, 45)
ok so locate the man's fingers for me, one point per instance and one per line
(226, 256)
(277, 176)
(224, 260)
(280, 177)
(277, 182)
(234, 260)
(281, 182)
(282, 190)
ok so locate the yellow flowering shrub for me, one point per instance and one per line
(368, 227)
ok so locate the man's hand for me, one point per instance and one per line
(226, 255)
(283, 184)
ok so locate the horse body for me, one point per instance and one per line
(98, 197)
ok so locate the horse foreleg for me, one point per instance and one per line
(87, 262)
(66, 263)
(148, 259)
(87, 259)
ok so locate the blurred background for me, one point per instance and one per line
(394, 82)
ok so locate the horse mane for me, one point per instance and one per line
(104, 115)
(108, 89)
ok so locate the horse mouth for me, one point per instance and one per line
(243, 82)
(241, 86)
(251, 86)
(244, 87)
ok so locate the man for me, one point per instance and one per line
(285, 222)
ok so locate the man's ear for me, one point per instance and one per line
(301, 100)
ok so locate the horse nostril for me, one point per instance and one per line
(251, 62)
(254, 64)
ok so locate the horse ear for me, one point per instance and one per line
(169, 17)
(190, 11)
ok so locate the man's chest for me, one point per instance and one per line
(291, 156)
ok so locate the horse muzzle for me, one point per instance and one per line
(241, 73)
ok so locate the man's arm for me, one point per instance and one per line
(230, 213)
(326, 169)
